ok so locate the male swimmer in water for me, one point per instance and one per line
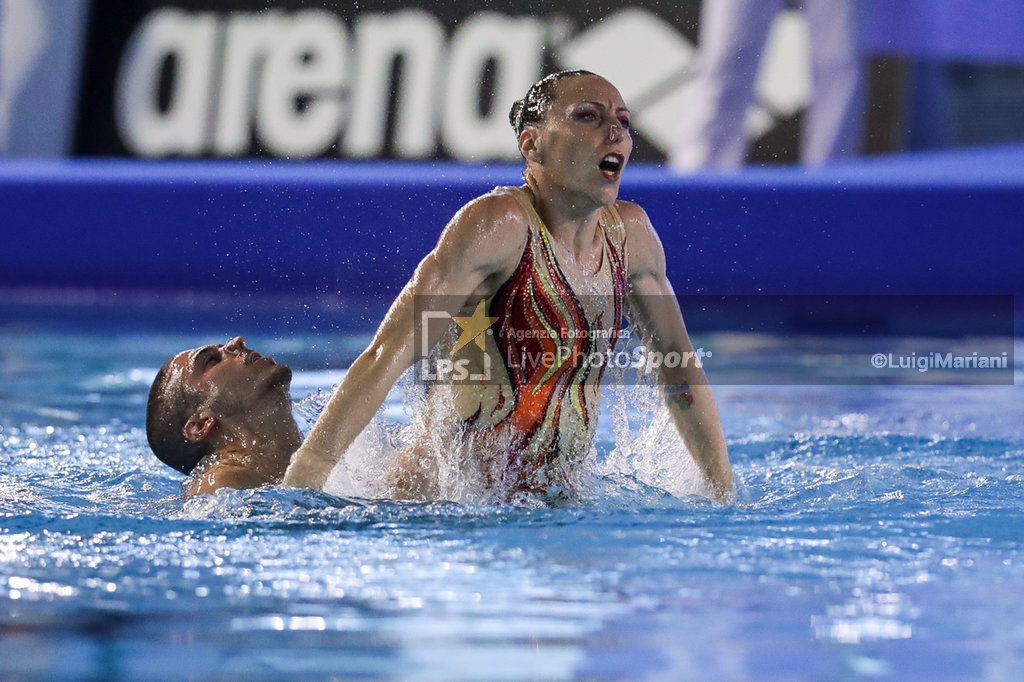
(551, 267)
(222, 414)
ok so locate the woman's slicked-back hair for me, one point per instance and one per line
(533, 108)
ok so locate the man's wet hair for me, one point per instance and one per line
(169, 408)
(533, 108)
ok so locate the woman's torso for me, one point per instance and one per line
(530, 404)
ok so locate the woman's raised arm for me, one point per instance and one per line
(477, 251)
(653, 310)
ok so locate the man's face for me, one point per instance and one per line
(234, 379)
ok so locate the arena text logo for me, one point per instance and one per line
(309, 83)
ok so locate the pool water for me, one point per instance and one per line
(877, 532)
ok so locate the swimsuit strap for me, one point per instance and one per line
(615, 237)
(610, 222)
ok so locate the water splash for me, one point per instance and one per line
(641, 457)
(647, 444)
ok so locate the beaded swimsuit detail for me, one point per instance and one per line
(551, 347)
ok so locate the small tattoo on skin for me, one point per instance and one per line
(680, 396)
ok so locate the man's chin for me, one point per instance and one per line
(279, 378)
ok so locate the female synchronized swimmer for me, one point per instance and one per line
(538, 278)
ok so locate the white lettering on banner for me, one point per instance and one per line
(181, 129)
(271, 61)
(302, 84)
(248, 39)
(418, 38)
(308, 61)
(784, 84)
(517, 48)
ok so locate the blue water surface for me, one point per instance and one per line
(877, 534)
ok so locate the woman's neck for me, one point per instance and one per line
(571, 221)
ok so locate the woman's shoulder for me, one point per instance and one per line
(494, 223)
(635, 221)
(633, 215)
(501, 204)
(643, 246)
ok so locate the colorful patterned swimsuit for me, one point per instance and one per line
(552, 346)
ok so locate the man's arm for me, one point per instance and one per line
(654, 311)
(476, 252)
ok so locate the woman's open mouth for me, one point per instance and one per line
(611, 166)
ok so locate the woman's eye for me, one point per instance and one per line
(624, 122)
(586, 116)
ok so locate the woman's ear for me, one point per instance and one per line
(529, 144)
(200, 426)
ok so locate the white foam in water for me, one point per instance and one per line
(362, 471)
(645, 447)
(424, 431)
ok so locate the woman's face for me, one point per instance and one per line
(584, 143)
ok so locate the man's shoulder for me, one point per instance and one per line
(208, 478)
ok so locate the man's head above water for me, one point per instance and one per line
(221, 399)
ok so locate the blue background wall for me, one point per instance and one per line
(944, 223)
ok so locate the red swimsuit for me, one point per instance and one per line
(550, 346)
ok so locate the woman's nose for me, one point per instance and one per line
(614, 132)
